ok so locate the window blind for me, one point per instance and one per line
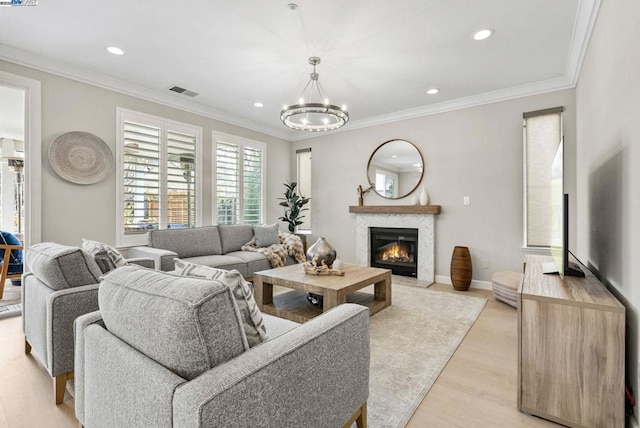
(252, 185)
(141, 170)
(542, 135)
(227, 183)
(240, 169)
(304, 183)
(181, 179)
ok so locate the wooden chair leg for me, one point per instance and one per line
(361, 420)
(359, 417)
(27, 346)
(60, 386)
(5, 269)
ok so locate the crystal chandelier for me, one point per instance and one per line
(316, 116)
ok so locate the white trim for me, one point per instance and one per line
(33, 153)
(103, 81)
(100, 80)
(545, 251)
(507, 94)
(582, 30)
(477, 284)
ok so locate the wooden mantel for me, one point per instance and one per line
(395, 209)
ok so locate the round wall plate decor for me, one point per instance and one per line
(80, 157)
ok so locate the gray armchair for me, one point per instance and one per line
(62, 284)
(134, 365)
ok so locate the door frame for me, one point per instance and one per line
(32, 152)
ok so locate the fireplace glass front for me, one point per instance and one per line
(395, 249)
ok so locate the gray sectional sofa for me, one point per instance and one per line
(215, 246)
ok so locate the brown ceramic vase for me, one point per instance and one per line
(461, 268)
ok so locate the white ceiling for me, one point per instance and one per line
(378, 57)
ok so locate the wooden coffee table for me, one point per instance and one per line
(335, 290)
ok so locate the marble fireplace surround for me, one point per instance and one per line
(410, 217)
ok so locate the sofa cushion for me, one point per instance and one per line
(254, 261)
(60, 266)
(222, 262)
(266, 235)
(234, 236)
(187, 324)
(278, 326)
(250, 314)
(99, 250)
(197, 241)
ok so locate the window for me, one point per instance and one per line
(239, 180)
(542, 133)
(304, 183)
(158, 175)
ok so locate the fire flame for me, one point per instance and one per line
(395, 253)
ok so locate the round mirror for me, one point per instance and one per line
(395, 169)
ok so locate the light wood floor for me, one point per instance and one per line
(477, 388)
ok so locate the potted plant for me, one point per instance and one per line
(293, 204)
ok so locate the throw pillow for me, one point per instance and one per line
(98, 250)
(62, 267)
(266, 235)
(250, 314)
(102, 259)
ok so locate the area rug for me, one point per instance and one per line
(10, 304)
(411, 342)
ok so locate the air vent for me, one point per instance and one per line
(183, 91)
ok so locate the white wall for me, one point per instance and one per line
(475, 152)
(71, 212)
(608, 155)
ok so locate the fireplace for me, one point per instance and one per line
(395, 249)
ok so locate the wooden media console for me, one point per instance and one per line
(571, 355)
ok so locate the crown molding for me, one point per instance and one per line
(527, 90)
(79, 74)
(583, 26)
(582, 29)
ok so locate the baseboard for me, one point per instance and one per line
(482, 285)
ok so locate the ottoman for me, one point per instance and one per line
(505, 287)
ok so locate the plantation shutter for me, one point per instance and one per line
(252, 209)
(158, 176)
(227, 183)
(239, 175)
(141, 174)
(181, 179)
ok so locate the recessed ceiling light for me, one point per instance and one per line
(483, 34)
(258, 104)
(433, 91)
(292, 6)
(114, 50)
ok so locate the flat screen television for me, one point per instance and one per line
(559, 205)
